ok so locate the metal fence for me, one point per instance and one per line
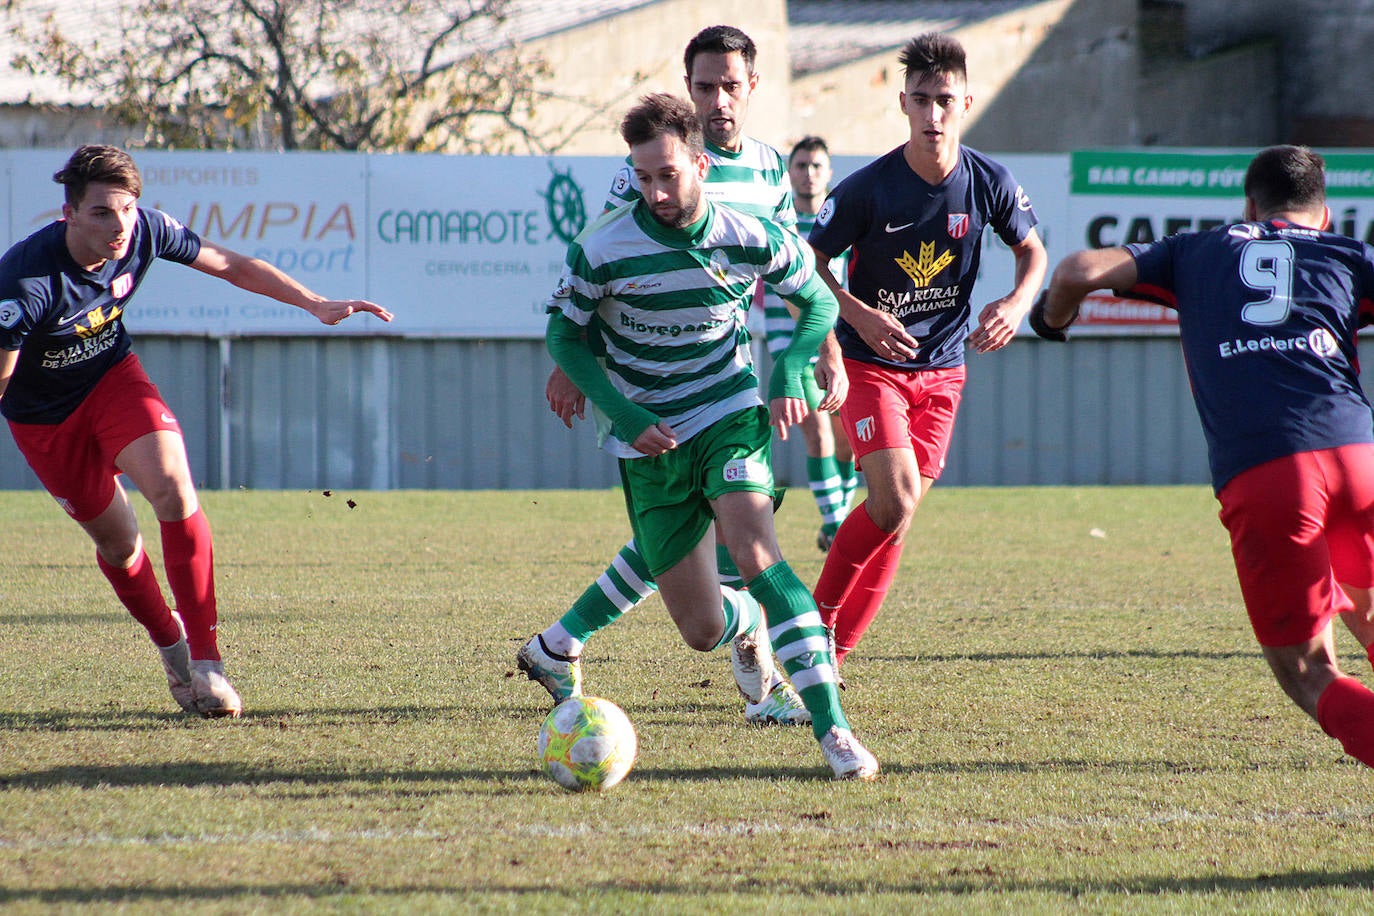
(388, 413)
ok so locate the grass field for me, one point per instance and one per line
(1069, 708)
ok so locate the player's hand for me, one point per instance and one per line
(997, 325)
(1038, 325)
(332, 311)
(655, 440)
(831, 378)
(785, 412)
(564, 398)
(884, 334)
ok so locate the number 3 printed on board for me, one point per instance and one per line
(1267, 266)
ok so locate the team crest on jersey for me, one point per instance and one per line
(1322, 343)
(924, 269)
(96, 320)
(122, 286)
(957, 225)
(10, 313)
(622, 182)
(864, 429)
(827, 211)
(719, 266)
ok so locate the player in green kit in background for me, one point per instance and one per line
(830, 466)
(751, 177)
(663, 281)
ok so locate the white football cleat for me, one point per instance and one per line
(847, 757)
(751, 662)
(176, 662)
(782, 706)
(214, 696)
(560, 675)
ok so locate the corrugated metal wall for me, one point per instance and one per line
(383, 413)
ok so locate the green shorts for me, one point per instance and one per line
(668, 497)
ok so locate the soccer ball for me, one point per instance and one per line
(587, 743)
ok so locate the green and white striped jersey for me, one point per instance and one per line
(664, 308)
(777, 320)
(753, 180)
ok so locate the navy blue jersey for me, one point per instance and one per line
(1267, 314)
(66, 322)
(914, 247)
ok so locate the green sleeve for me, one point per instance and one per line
(567, 345)
(818, 310)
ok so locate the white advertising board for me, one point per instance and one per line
(472, 246)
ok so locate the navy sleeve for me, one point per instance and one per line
(1154, 264)
(171, 240)
(842, 219)
(1012, 215)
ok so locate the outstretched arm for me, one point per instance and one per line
(1078, 274)
(257, 276)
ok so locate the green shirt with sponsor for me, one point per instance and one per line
(665, 308)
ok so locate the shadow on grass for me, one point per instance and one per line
(1154, 886)
(1088, 654)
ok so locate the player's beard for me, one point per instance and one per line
(686, 213)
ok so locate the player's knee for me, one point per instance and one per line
(894, 515)
(699, 640)
(170, 497)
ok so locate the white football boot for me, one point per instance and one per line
(847, 757)
(560, 675)
(751, 662)
(782, 706)
(214, 696)
(176, 662)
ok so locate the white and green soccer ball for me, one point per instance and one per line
(587, 743)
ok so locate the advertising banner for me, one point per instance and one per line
(1120, 197)
(472, 246)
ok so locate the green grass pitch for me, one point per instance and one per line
(1063, 691)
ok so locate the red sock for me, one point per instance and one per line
(189, 556)
(1345, 711)
(855, 543)
(866, 597)
(137, 589)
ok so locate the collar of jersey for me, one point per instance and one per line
(687, 237)
(726, 153)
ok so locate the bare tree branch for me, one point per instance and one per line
(430, 75)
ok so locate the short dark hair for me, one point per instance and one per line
(933, 54)
(92, 164)
(808, 144)
(659, 114)
(720, 39)
(1286, 178)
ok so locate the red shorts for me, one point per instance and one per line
(75, 459)
(895, 408)
(1299, 526)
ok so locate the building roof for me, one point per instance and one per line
(826, 33)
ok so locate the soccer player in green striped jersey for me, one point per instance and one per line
(749, 176)
(661, 281)
(830, 468)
